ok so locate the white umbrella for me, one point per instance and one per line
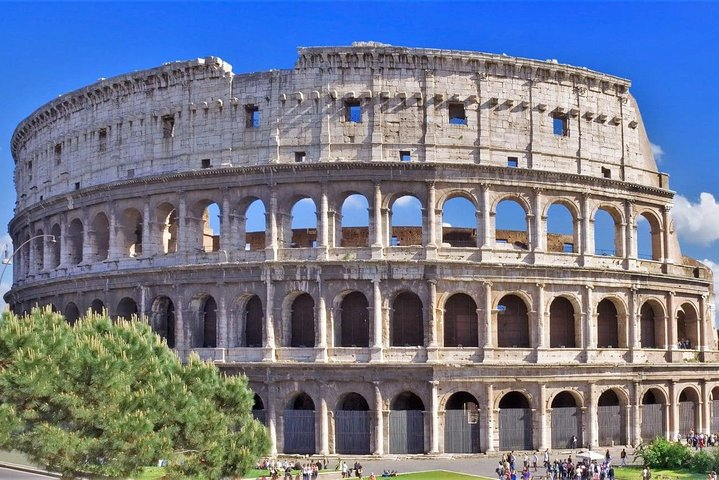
(590, 455)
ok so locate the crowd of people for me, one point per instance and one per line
(557, 469)
(293, 470)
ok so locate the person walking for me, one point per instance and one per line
(623, 457)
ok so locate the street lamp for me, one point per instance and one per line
(8, 260)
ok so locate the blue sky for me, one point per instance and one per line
(670, 51)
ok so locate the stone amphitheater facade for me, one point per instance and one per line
(380, 338)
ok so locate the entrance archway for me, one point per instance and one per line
(406, 424)
(612, 420)
(299, 426)
(461, 424)
(566, 421)
(653, 408)
(515, 422)
(352, 425)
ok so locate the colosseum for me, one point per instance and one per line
(536, 289)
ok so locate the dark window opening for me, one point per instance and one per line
(560, 125)
(512, 162)
(405, 156)
(303, 322)
(77, 185)
(102, 139)
(29, 165)
(457, 114)
(353, 111)
(253, 322)
(407, 321)
(606, 173)
(130, 172)
(252, 116)
(58, 153)
(168, 126)
(355, 321)
(206, 163)
(513, 316)
(300, 157)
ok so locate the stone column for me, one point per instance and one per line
(487, 234)
(674, 411)
(670, 325)
(182, 227)
(587, 233)
(431, 216)
(147, 249)
(636, 433)
(539, 243)
(489, 409)
(543, 418)
(223, 323)
(593, 425)
(269, 332)
(272, 419)
(324, 427)
(703, 344)
(377, 222)
(377, 343)
(590, 319)
(87, 238)
(63, 241)
(321, 320)
(113, 250)
(487, 321)
(630, 229)
(47, 251)
(667, 252)
(324, 219)
(379, 424)
(434, 415)
(540, 328)
(705, 403)
(432, 330)
(634, 330)
(271, 243)
(226, 242)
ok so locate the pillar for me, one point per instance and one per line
(667, 252)
(272, 419)
(634, 329)
(182, 226)
(431, 216)
(486, 224)
(701, 328)
(593, 426)
(377, 342)
(704, 406)
(324, 219)
(544, 442)
(630, 229)
(489, 409)
(226, 242)
(377, 218)
(324, 427)
(113, 250)
(63, 241)
(587, 232)
(379, 424)
(434, 416)
(487, 323)
(590, 319)
(147, 249)
(223, 340)
(47, 251)
(87, 247)
(271, 246)
(636, 431)
(322, 320)
(540, 230)
(540, 326)
(432, 330)
(674, 411)
(269, 332)
(670, 326)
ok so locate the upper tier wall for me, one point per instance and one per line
(430, 105)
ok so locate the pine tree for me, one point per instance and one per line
(104, 397)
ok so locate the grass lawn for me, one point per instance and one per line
(634, 473)
(435, 475)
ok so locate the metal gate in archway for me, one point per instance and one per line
(652, 421)
(260, 415)
(406, 431)
(299, 431)
(515, 429)
(612, 425)
(686, 417)
(566, 423)
(461, 432)
(352, 432)
(715, 416)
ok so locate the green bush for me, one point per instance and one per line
(702, 462)
(662, 453)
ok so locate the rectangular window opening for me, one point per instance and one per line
(248, 247)
(394, 242)
(457, 115)
(206, 163)
(568, 247)
(502, 240)
(77, 185)
(353, 111)
(130, 172)
(168, 126)
(560, 125)
(252, 116)
(606, 173)
(58, 154)
(300, 157)
(29, 165)
(512, 162)
(102, 139)
(405, 156)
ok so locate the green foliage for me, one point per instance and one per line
(702, 461)
(662, 453)
(105, 398)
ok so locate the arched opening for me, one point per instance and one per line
(651, 327)
(461, 424)
(561, 324)
(211, 228)
(406, 424)
(129, 233)
(126, 309)
(352, 425)
(302, 321)
(515, 422)
(163, 319)
(254, 318)
(355, 221)
(97, 307)
(303, 224)
(459, 223)
(649, 238)
(607, 325)
(611, 417)
(39, 247)
(653, 415)
(687, 327)
(607, 234)
(460, 322)
(208, 320)
(299, 426)
(561, 234)
(354, 320)
(510, 224)
(168, 224)
(407, 321)
(72, 313)
(74, 242)
(258, 410)
(688, 411)
(566, 421)
(513, 317)
(255, 226)
(406, 222)
(55, 247)
(100, 237)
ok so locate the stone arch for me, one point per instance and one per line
(459, 220)
(354, 221)
(406, 425)
(612, 417)
(74, 241)
(163, 319)
(300, 226)
(204, 329)
(129, 232)
(299, 425)
(563, 330)
(513, 315)
(688, 326)
(653, 414)
(652, 325)
(562, 226)
(39, 247)
(252, 224)
(97, 307)
(100, 237)
(126, 308)
(302, 321)
(511, 225)
(608, 230)
(258, 410)
(515, 421)
(566, 413)
(209, 229)
(253, 322)
(461, 325)
(689, 410)
(71, 313)
(407, 320)
(649, 236)
(353, 425)
(405, 221)
(353, 325)
(55, 257)
(611, 324)
(168, 226)
(461, 423)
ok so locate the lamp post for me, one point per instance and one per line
(7, 260)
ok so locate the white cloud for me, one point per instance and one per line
(658, 152)
(446, 224)
(405, 201)
(355, 202)
(697, 223)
